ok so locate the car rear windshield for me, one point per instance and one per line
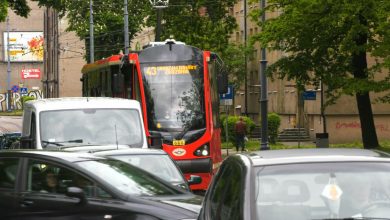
(159, 165)
(323, 191)
(128, 178)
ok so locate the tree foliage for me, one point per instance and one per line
(205, 24)
(108, 22)
(329, 40)
(20, 7)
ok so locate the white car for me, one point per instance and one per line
(60, 122)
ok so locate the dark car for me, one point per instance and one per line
(9, 140)
(66, 185)
(299, 185)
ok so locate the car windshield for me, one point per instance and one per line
(323, 191)
(159, 165)
(91, 127)
(128, 179)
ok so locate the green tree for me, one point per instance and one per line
(108, 22)
(205, 24)
(330, 40)
(20, 7)
(234, 59)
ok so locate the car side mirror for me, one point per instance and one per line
(76, 192)
(26, 143)
(155, 141)
(194, 180)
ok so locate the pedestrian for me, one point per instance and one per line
(240, 130)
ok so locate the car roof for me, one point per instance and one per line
(58, 155)
(81, 103)
(288, 156)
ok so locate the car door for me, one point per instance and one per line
(8, 186)
(44, 195)
(224, 200)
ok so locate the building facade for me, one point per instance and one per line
(24, 42)
(342, 118)
(45, 59)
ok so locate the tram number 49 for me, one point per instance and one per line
(179, 142)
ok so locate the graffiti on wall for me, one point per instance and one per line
(16, 100)
(356, 125)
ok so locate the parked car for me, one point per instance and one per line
(7, 140)
(300, 185)
(65, 185)
(156, 162)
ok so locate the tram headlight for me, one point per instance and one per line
(204, 150)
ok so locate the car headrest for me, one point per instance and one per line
(294, 191)
(268, 190)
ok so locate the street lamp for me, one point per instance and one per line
(159, 5)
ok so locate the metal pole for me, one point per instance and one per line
(264, 99)
(322, 108)
(8, 70)
(158, 28)
(246, 60)
(126, 20)
(91, 40)
(226, 129)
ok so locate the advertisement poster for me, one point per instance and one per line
(24, 46)
(34, 73)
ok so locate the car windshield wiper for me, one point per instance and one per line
(60, 143)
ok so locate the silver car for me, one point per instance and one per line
(156, 162)
(299, 185)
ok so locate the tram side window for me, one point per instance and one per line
(127, 71)
(108, 83)
(214, 94)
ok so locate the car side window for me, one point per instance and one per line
(8, 172)
(227, 197)
(44, 177)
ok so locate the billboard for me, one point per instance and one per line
(34, 73)
(24, 46)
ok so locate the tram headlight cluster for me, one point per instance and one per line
(204, 150)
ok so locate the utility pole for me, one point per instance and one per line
(246, 59)
(159, 5)
(126, 20)
(8, 70)
(91, 40)
(264, 98)
(323, 108)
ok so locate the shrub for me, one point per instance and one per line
(273, 126)
(250, 125)
(26, 99)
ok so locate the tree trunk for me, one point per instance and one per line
(370, 139)
(359, 65)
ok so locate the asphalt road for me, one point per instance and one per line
(10, 124)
